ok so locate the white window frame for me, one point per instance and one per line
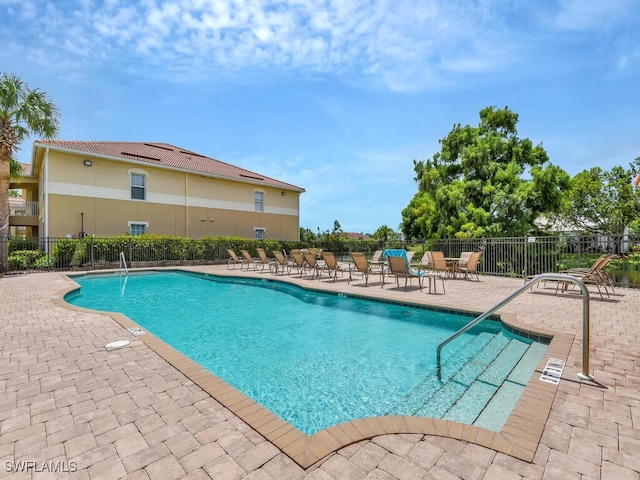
(142, 175)
(259, 233)
(258, 198)
(137, 223)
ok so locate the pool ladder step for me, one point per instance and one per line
(481, 390)
(487, 376)
(415, 399)
(496, 412)
(448, 395)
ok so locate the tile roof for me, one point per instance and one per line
(166, 155)
(358, 236)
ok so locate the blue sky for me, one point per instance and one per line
(336, 96)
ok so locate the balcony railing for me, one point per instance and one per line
(25, 209)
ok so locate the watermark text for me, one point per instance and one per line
(62, 466)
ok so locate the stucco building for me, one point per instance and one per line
(100, 188)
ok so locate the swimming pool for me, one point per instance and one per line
(319, 359)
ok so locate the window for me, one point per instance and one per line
(259, 197)
(259, 233)
(138, 186)
(139, 228)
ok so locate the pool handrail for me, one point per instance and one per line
(123, 262)
(543, 276)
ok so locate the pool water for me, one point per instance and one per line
(314, 359)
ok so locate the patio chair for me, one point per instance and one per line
(410, 255)
(601, 264)
(235, 259)
(311, 263)
(377, 259)
(263, 259)
(249, 260)
(464, 258)
(470, 267)
(595, 275)
(281, 263)
(361, 266)
(332, 265)
(426, 262)
(399, 267)
(298, 261)
(440, 263)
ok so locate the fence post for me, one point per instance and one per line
(526, 256)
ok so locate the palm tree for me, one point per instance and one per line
(23, 112)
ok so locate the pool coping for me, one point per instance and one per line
(519, 437)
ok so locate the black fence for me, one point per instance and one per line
(513, 257)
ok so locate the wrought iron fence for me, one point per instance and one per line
(513, 257)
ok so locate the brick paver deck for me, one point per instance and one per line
(68, 404)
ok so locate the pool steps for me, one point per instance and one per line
(483, 380)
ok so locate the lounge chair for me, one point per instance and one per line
(281, 263)
(399, 267)
(263, 259)
(298, 261)
(311, 263)
(410, 255)
(332, 265)
(249, 260)
(595, 275)
(377, 259)
(361, 266)
(234, 259)
(470, 267)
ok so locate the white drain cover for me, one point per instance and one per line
(117, 344)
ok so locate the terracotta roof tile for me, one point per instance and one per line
(166, 155)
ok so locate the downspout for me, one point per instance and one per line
(45, 197)
(186, 205)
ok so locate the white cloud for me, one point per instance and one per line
(407, 45)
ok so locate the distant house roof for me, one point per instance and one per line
(167, 156)
(358, 236)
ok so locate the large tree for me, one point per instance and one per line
(603, 201)
(23, 112)
(485, 181)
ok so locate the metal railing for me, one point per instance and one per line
(25, 209)
(544, 276)
(516, 257)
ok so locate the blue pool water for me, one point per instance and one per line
(316, 359)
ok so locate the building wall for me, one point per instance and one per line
(97, 198)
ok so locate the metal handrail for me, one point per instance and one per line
(543, 276)
(123, 262)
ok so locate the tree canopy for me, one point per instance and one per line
(485, 181)
(23, 112)
(601, 201)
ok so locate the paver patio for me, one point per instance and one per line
(68, 404)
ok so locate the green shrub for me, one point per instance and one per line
(45, 263)
(17, 244)
(63, 252)
(24, 259)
